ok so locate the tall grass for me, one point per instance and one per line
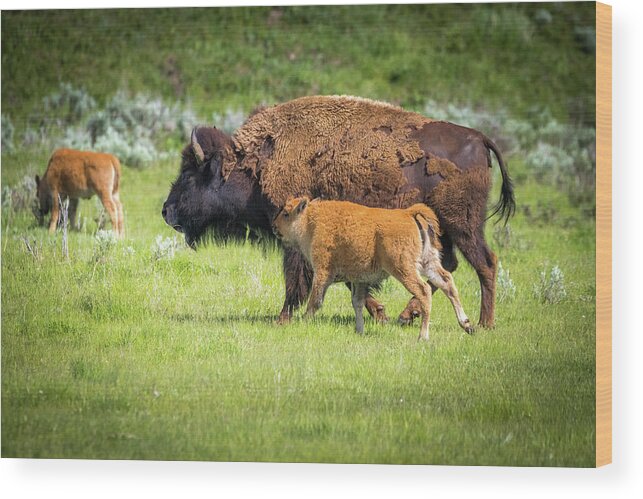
(146, 349)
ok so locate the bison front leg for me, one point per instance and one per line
(298, 276)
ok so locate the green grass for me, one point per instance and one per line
(131, 358)
(125, 357)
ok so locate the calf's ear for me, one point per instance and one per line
(37, 180)
(302, 204)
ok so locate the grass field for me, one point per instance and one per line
(128, 351)
(121, 355)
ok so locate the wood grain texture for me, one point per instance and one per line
(603, 234)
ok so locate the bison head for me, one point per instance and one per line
(211, 192)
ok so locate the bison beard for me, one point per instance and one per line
(342, 148)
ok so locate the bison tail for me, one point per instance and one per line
(506, 205)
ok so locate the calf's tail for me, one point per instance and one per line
(428, 225)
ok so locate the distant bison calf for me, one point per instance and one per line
(351, 243)
(79, 174)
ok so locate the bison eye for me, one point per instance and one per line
(285, 215)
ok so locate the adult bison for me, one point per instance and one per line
(343, 148)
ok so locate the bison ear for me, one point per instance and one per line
(196, 148)
(216, 162)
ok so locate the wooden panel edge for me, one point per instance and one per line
(603, 234)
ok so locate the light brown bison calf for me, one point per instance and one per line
(80, 174)
(352, 243)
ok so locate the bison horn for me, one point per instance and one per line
(196, 147)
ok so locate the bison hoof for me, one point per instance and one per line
(282, 320)
(468, 327)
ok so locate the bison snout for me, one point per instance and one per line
(169, 215)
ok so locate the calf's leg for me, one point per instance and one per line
(420, 290)
(440, 278)
(358, 298)
(110, 207)
(119, 212)
(73, 208)
(321, 281)
(55, 212)
(298, 276)
(450, 263)
(375, 308)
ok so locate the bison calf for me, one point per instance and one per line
(352, 243)
(80, 174)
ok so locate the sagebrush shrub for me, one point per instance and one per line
(104, 241)
(505, 287)
(164, 248)
(22, 197)
(7, 133)
(68, 105)
(550, 287)
(136, 129)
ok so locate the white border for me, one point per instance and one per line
(110, 479)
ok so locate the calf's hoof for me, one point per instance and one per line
(380, 316)
(468, 327)
(376, 311)
(407, 316)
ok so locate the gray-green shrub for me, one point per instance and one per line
(550, 287)
(7, 134)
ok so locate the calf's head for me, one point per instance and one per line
(210, 192)
(43, 204)
(286, 225)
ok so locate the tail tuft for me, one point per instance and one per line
(506, 205)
